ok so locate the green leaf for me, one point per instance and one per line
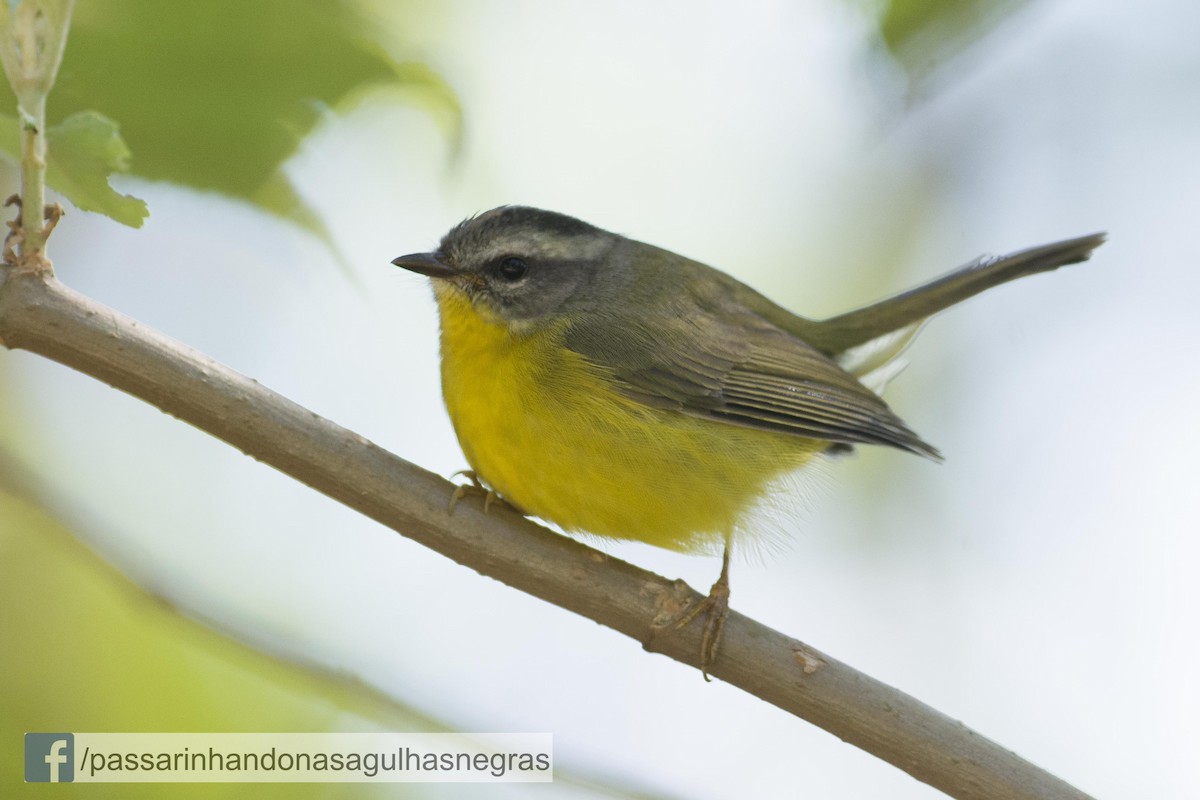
(82, 151)
(218, 94)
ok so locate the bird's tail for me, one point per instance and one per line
(837, 335)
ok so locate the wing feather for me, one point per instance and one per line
(732, 365)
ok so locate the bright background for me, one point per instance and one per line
(1040, 585)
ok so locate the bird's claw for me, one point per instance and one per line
(475, 487)
(715, 609)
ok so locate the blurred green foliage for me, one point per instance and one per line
(84, 649)
(923, 34)
(217, 94)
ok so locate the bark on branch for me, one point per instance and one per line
(39, 314)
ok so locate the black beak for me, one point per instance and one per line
(425, 264)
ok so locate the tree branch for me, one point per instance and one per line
(39, 314)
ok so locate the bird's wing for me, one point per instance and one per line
(733, 366)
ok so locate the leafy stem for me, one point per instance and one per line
(33, 34)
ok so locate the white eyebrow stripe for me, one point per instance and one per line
(550, 246)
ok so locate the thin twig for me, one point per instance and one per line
(39, 314)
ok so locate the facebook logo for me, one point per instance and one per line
(49, 757)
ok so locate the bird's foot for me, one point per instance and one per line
(714, 608)
(476, 487)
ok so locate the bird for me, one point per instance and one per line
(622, 390)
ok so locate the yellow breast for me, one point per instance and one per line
(549, 433)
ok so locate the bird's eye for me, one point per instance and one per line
(512, 268)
